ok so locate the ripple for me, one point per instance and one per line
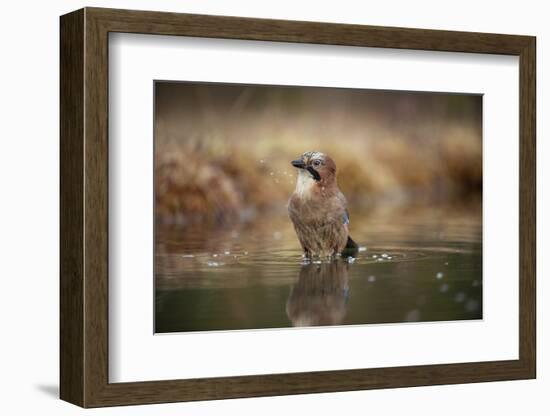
(281, 260)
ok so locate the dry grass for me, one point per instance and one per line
(215, 181)
(223, 153)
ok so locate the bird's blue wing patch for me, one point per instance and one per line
(346, 217)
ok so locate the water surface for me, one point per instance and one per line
(417, 266)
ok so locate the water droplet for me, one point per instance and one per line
(471, 305)
(213, 263)
(439, 275)
(460, 297)
(372, 279)
(351, 260)
(446, 263)
(362, 248)
(412, 316)
(188, 256)
(227, 253)
(384, 255)
(246, 253)
(214, 255)
(374, 256)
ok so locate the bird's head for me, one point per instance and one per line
(315, 168)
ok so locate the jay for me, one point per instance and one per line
(318, 209)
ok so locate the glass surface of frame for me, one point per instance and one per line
(144, 186)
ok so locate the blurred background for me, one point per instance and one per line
(223, 151)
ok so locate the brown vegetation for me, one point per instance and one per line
(229, 159)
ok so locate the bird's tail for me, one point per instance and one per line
(351, 248)
(351, 244)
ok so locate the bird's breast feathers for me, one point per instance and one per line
(317, 209)
(305, 184)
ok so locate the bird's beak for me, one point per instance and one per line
(298, 163)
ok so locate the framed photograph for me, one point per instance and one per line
(255, 207)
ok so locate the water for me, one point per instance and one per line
(413, 267)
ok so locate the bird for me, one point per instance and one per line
(318, 209)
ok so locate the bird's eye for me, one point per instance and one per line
(316, 162)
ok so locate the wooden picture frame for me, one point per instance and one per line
(84, 207)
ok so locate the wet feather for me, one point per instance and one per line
(318, 209)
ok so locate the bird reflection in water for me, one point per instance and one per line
(320, 295)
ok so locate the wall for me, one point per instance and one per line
(29, 219)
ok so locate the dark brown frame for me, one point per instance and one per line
(84, 207)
